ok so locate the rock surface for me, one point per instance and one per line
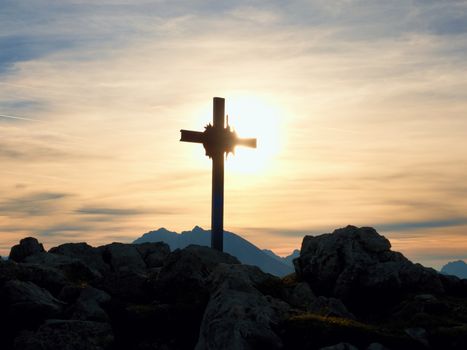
(153, 253)
(357, 266)
(67, 334)
(187, 270)
(130, 296)
(123, 257)
(238, 316)
(88, 306)
(28, 304)
(90, 256)
(26, 247)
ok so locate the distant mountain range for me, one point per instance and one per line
(239, 247)
(456, 268)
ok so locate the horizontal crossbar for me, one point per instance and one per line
(246, 142)
(192, 136)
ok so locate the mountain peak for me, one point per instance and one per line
(198, 229)
(235, 245)
(456, 268)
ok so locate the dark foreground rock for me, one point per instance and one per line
(66, 334)
(238, 315)
(357, 266)
(350, 291)
(26, 247)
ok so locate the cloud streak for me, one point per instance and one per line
(33, 204)
(372, 99)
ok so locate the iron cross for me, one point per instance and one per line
(217, 140)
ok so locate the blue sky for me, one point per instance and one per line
(359, 108)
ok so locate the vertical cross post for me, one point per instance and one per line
(217, 139)
(217, 205)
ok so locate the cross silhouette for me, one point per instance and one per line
(217, 140)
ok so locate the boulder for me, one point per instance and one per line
(127, 285)
(123, 257)
(357, 266)
(67, 334)
(90, 256)
(238, 315)
(88, 306)
(26, 247)
(46, 277)
(73, 269)
(28, 304)
(330, 307)
(153, 253)
(302, 297)
(185, 271)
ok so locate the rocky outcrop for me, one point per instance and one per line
(187, 270)
(238, 315)
(123, 257)
(357, 266)
(26, 304)
(153, 253)
(26, 247)
(89, 305)
(129, 296)
(90, 256)
(46, 277)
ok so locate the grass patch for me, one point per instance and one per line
(312, 331)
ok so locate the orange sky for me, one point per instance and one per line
(359, 108)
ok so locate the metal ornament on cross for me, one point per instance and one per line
(217, 140)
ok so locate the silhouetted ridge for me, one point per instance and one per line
(350, 291)
(235, 245)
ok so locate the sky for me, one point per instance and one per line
(359, 107)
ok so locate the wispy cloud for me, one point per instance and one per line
(373, 94)
(417, 225)
(111, 211)
(33, 204)
(64, 230)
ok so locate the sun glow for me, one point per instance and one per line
(259, 118)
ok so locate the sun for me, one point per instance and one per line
(259, 118)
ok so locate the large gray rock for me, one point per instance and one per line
(357, 265)
(46, 277)
(238, 315)
(26, 303)
(123, 257)
(302, 297)
(184, 274)
(88, 306)
(26, 247)
(73, 269)
(127, 285)
(67, 335)
(90, 256)
(153, 254)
